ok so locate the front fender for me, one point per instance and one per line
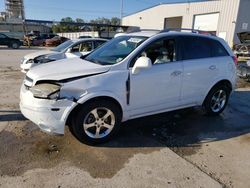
(90, 96)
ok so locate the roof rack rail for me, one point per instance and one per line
(140, 30)
(187, 29)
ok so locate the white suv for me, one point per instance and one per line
(131, 76)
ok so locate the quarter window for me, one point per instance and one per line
(218, 49)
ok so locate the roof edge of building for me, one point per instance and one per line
(170, 3)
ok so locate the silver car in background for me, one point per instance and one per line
(68, 49)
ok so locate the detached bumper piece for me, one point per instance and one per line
(243, 71)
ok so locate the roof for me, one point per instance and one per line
(152, 33)
(167, 3)
(139, 33)
(88, 39)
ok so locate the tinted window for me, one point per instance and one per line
(196, 48)
(99, 43)
(218, 50)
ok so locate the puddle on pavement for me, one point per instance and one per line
(186, 131)
(27, 148)
(183, 131)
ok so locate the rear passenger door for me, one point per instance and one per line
(201, 67)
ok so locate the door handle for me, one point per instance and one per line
(176, 73)
(212, 67)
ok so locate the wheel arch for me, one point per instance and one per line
(85, 102)
(225, 82)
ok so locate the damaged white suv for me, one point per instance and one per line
(131, 76)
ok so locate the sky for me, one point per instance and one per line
(85, 9)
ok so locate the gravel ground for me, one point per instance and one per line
(177, 149)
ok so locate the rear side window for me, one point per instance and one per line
(200, 47)
(196, 48)
(99, 43)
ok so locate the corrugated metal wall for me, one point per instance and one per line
(153, 18)
(243, 19)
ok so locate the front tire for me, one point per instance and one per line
(216, 100)
(96, 122)
(15, 45)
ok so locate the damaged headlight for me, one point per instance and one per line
(43, 59)
(30, 61)
(46, 91)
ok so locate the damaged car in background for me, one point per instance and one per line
(68, 49)
(243, 49)
(131, 76)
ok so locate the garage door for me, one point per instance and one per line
(206, 22)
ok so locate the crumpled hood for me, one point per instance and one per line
(244, 37)
(65, 69)
(39, 53)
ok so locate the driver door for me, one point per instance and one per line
(159, 87)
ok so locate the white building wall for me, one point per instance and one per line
(153, 18)
(75, 35)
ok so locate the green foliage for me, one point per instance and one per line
(64, 27)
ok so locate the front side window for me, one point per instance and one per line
(82, 47)
(115, 50)
(160, 52)
(86, 46)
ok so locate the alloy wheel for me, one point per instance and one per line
(218, 100)
(99, 123)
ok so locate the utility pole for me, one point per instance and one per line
(121, 13)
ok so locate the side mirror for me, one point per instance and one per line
(141, 63)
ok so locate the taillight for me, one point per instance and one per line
(235, 60)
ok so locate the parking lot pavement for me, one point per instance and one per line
(178, 149)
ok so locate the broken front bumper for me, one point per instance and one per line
(49, 115)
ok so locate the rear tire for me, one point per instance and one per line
(216, 100)
(96, 122)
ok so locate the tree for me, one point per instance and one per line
(67, 24)
(115, 21)
(79, 20)
(67, 19)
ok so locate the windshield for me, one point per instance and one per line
(63, 46)
(115, 50)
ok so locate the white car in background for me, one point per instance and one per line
(68, 49)
(131, 76)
